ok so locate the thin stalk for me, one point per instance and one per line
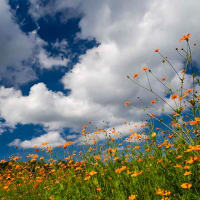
(169, 64)
(148, 81)
(180, 54)
(160, 81)
(153, 93)
(168, 127)
(193, 81)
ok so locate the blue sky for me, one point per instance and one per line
(63, 64)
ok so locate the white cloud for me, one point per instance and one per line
(47, 61)
(12, 39)
(39, 9)
(128, 34)
(50, 109)
(53, 138)
(15, 48)
(117, 132)
(19, 51)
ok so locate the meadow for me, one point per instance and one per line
(165, 169)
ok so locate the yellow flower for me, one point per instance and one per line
(153, 134)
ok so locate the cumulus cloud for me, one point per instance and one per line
(53, 138)
(12, 39)
(68, 9)
(46, 61)
(19, 51)
(16, 47)
(128, 35)
(48, 108)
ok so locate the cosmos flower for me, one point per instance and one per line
(135, 75)
(186, 185)
(185, 37)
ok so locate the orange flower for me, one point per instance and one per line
(174, 96)
(153, 101)
(119, 170)
(127, 103)
(97, 157)
(84, 126)
(152, 115)
(137, 147)
(177, 166)
(185, 37)
(67, 144)
(183, 71)
(156, 50)
(165, 198)
(186, 185)
(135, 75)
(86, 178)
(187, 173)
(193, 123)
(134, 174)
(186, 167)
(92, 173)
(98, 189)
(179, 156)
(188, 91)
(6, 187)
(35, 186)
(197, 119)
(163, 79)
(15, 158)
(132, 197)
(163, 192)
(145, 69)
(44, 143)
(193, 159)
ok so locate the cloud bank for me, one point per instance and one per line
(128, 35)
